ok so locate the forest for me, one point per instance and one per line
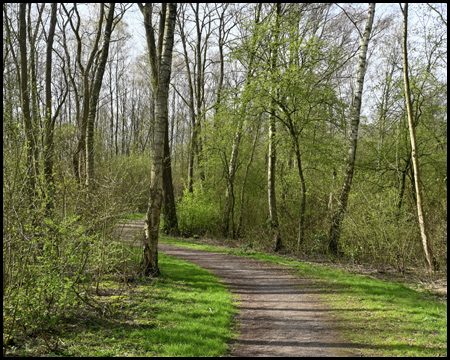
(304, 129)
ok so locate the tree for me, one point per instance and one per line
(304, 87)
(414, 150)
(169, 209)
(94, 95)
(353, 141)
(33, 78)
(272, 156)
(50, 119)
(25, 101)
(160, 56)
(80, 155)
(228, 209)
(196, 69)
(244, 182)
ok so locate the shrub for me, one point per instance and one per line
(130, 177)
(198, 213)
(47, 257)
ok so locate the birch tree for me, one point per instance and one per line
(414, 151)
(160, 56)
(272, 156)
(338, 215)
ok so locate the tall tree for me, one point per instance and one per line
(273, 216)
(33, 75)
(338, 215)
(160, 56)
(79, 156)
(304, 93)
(228, 209)
(196, 74)
(30, 132)
(169, 209)
(95, 92)
(50, 119)
(190, 101)
(414, 151)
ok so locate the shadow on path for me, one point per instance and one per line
(280, 314)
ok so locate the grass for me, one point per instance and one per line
(382, 318)
(128, 217)
(187, 311)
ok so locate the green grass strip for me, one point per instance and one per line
(129, 217)
(384, 318)
(187, 311)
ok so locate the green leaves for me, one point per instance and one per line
(198, 214)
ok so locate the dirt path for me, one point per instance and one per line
(280, 314)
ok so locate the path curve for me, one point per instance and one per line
(280, 314)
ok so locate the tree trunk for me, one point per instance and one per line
(190, 104)
(75, 155)
(403, 185)
(196, 86)
(160, 62)
(301, 227)
(25, 102)
(168, 209)
(79, 156)
(338, 216)
(111, 116)
(228, 209)
(95, 95)
(199, 90)
(244, 181)
(193, 150)
(414, 152)
(273, 216)
(33, 86)
(50, 121)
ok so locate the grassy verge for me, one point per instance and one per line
(128, 217)
(185, 312)
(384, 318)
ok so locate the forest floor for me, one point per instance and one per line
(279, 314)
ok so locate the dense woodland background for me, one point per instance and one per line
(261, 97)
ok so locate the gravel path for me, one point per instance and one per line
(280, 314)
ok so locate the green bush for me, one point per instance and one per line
(130, 176)
(198, 213)
(373, 231)
(47, 257)
(39, 273)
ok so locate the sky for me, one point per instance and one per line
(137, 42)
(135, 20)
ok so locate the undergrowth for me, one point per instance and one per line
(187, 311)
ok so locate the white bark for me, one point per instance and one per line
(356, 111)
(423, 231)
